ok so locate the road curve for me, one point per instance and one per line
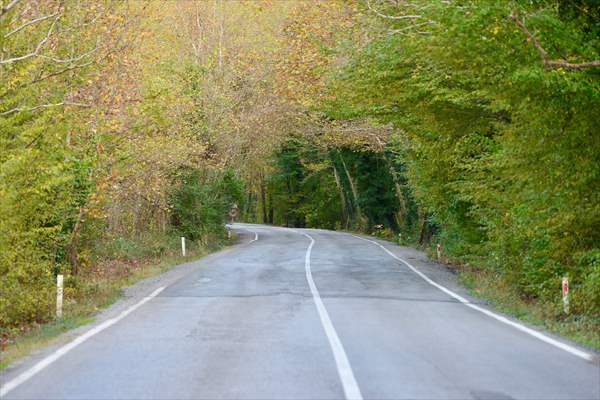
(304, 314)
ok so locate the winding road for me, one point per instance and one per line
(305, 314)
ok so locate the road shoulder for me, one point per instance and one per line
(129, 297)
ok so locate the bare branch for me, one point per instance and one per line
(41, 106)
(33, 21)
(54, 73)
(544, 54)
(8, 7)
(72, 59)
(395, 17)
(44, 77)
(568, 65)
(37, 48)
(530, 36)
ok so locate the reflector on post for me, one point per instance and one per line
(565, 294)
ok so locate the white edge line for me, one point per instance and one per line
(255, 236)
(26, 375)
(522, 328)
(351, 389)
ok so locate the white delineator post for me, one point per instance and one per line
(565, 294)
(183, 246)
(438, 249)
(59, 295)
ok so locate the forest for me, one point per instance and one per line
(468, 126)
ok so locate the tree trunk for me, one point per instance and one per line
(270, 201)
(263, 202)
(423, 226)
(353, 188)
(338, 183)
(247, 207)
(400, 216)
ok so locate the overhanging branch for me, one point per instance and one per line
(6, 8)
(29, 23)
(38, 48)
(544, 54)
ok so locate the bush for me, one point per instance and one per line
(27, 291)
(586, 297)
(200, 203)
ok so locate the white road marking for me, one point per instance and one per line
(25, 376)
(351, 389)
(255, 236)
(255, 233)
(522, 328)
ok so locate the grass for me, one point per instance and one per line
(584, 330)
(93, 293)
(39, 336)
(485, 285)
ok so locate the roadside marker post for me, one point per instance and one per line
(59, 295)
(439, 251)
(565, 294)
(532, 332)
(183, 246)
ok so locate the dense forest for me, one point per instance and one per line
(472, 125)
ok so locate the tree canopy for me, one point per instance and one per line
(469, 124)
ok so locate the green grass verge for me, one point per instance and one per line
(490, 287)
(38, 336)
(581, 329)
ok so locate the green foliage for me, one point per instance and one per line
(375, 187)
(200, 205)
(41, 190)
(306, 192)
(501, 151)
(95, 142)
(288, 196)
(493, 153)
(586, 298)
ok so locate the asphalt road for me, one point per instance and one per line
(266, 320)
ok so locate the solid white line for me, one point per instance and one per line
(522, 328)
(70, 346)
(351, 389)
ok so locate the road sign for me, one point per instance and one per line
(234, 212)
